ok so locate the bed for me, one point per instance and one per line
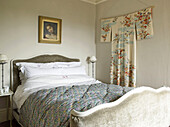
(84, 104)
(47, 100)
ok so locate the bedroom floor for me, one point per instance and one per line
(7, 124)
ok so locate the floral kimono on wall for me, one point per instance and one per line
(123, 32)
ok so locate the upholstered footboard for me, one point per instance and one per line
(141, 107)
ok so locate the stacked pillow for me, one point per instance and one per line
(33, 71)
(29, 70)
(22, 65)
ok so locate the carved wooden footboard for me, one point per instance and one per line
(141, 107)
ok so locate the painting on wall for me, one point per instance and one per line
(49, 30)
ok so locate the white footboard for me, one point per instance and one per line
(141, 107)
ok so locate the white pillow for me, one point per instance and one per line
(67, 64)
(49, 65)
(33, 71)
(22, 65)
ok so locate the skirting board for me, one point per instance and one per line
(4, 115)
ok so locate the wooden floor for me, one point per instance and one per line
(7, 124)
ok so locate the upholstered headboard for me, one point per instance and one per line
(14, 77)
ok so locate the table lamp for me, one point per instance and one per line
(93, 60)
(3, 60)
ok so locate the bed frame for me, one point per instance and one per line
(141, 107)
(14, 72)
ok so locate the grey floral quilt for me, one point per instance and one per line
(51, 107)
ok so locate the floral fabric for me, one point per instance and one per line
(52, 107)
(144, 27)
(123, 32)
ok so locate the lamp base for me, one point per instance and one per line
(2, 63)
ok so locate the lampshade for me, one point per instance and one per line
(93, 59)
(3, 58)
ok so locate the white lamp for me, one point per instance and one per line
(3, 60)
(93, 60)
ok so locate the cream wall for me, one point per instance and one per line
(153, 55)
(19, 30)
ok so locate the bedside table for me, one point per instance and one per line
(9, 113)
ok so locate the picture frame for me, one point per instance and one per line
(49, 30)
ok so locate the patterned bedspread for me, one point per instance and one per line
(51, 107)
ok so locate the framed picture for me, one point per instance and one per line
(49, 30)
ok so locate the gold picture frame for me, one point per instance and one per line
(49, 30)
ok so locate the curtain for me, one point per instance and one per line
(123, 32)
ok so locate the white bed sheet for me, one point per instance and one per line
(37, 83)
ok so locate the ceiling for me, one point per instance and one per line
(94, 1)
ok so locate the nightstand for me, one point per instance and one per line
(9, 113)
